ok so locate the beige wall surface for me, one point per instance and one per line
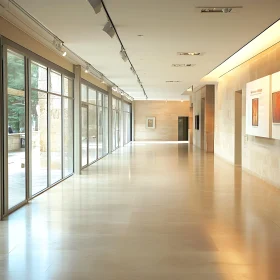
(260, 156)
(16, 35)
(166, 114)
(208, 93)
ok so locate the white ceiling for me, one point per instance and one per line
(168, 26)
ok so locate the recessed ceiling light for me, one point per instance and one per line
(182, 65)
(140, 35)
(189, 53)
(173, 81)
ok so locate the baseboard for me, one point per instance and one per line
(250, 172)
(259, 177)
(224, 159)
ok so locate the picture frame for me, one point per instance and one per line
(150, 122)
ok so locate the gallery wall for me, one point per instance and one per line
(260, 155)
(205, 141)
(166, 114)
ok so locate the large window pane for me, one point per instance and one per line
(39, 76)
(100, 132)
(117, 129)
(84, 139)
(68, 87)
(114, 103)
(84, 94)
(55, 138)
(105, 132)
(91, 96)
(99, 99)
(68, 136)
(39, 140)
(55, 84)
(92, 131)
(16, 129)
(114, 145)
(105, 100)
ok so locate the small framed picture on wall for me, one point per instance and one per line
(151, 122)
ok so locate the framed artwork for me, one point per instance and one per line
(258, 107)
(276, 107)
(151, 122)
(255, 112)
(197, 122)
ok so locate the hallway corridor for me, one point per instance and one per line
(149, 211)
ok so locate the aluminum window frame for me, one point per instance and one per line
(103, 92)
(29, 57)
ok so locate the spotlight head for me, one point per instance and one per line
(123, 55)
(96, 5)
(109, 29)
(87, 69)
(226, 10)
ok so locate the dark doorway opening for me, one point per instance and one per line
(183, 129)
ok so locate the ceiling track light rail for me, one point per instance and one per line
(111, 30)
(58, 44)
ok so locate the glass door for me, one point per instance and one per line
(84, 139)
(92, 131)
(16, 127)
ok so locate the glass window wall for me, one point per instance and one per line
(16, 121)
(95, 130)
(38, 128)
(116, 112)
(127, 115)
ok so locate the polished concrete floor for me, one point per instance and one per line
(149, 211)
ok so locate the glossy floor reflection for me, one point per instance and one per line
(148, 211)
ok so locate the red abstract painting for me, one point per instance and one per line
(255, 112)
(276, 107)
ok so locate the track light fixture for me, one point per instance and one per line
(109, 29)
(123, 55)
(190, 89)
(87, 68)
(96, 5)
(133, 70)
(103, 80)
(59, 46)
